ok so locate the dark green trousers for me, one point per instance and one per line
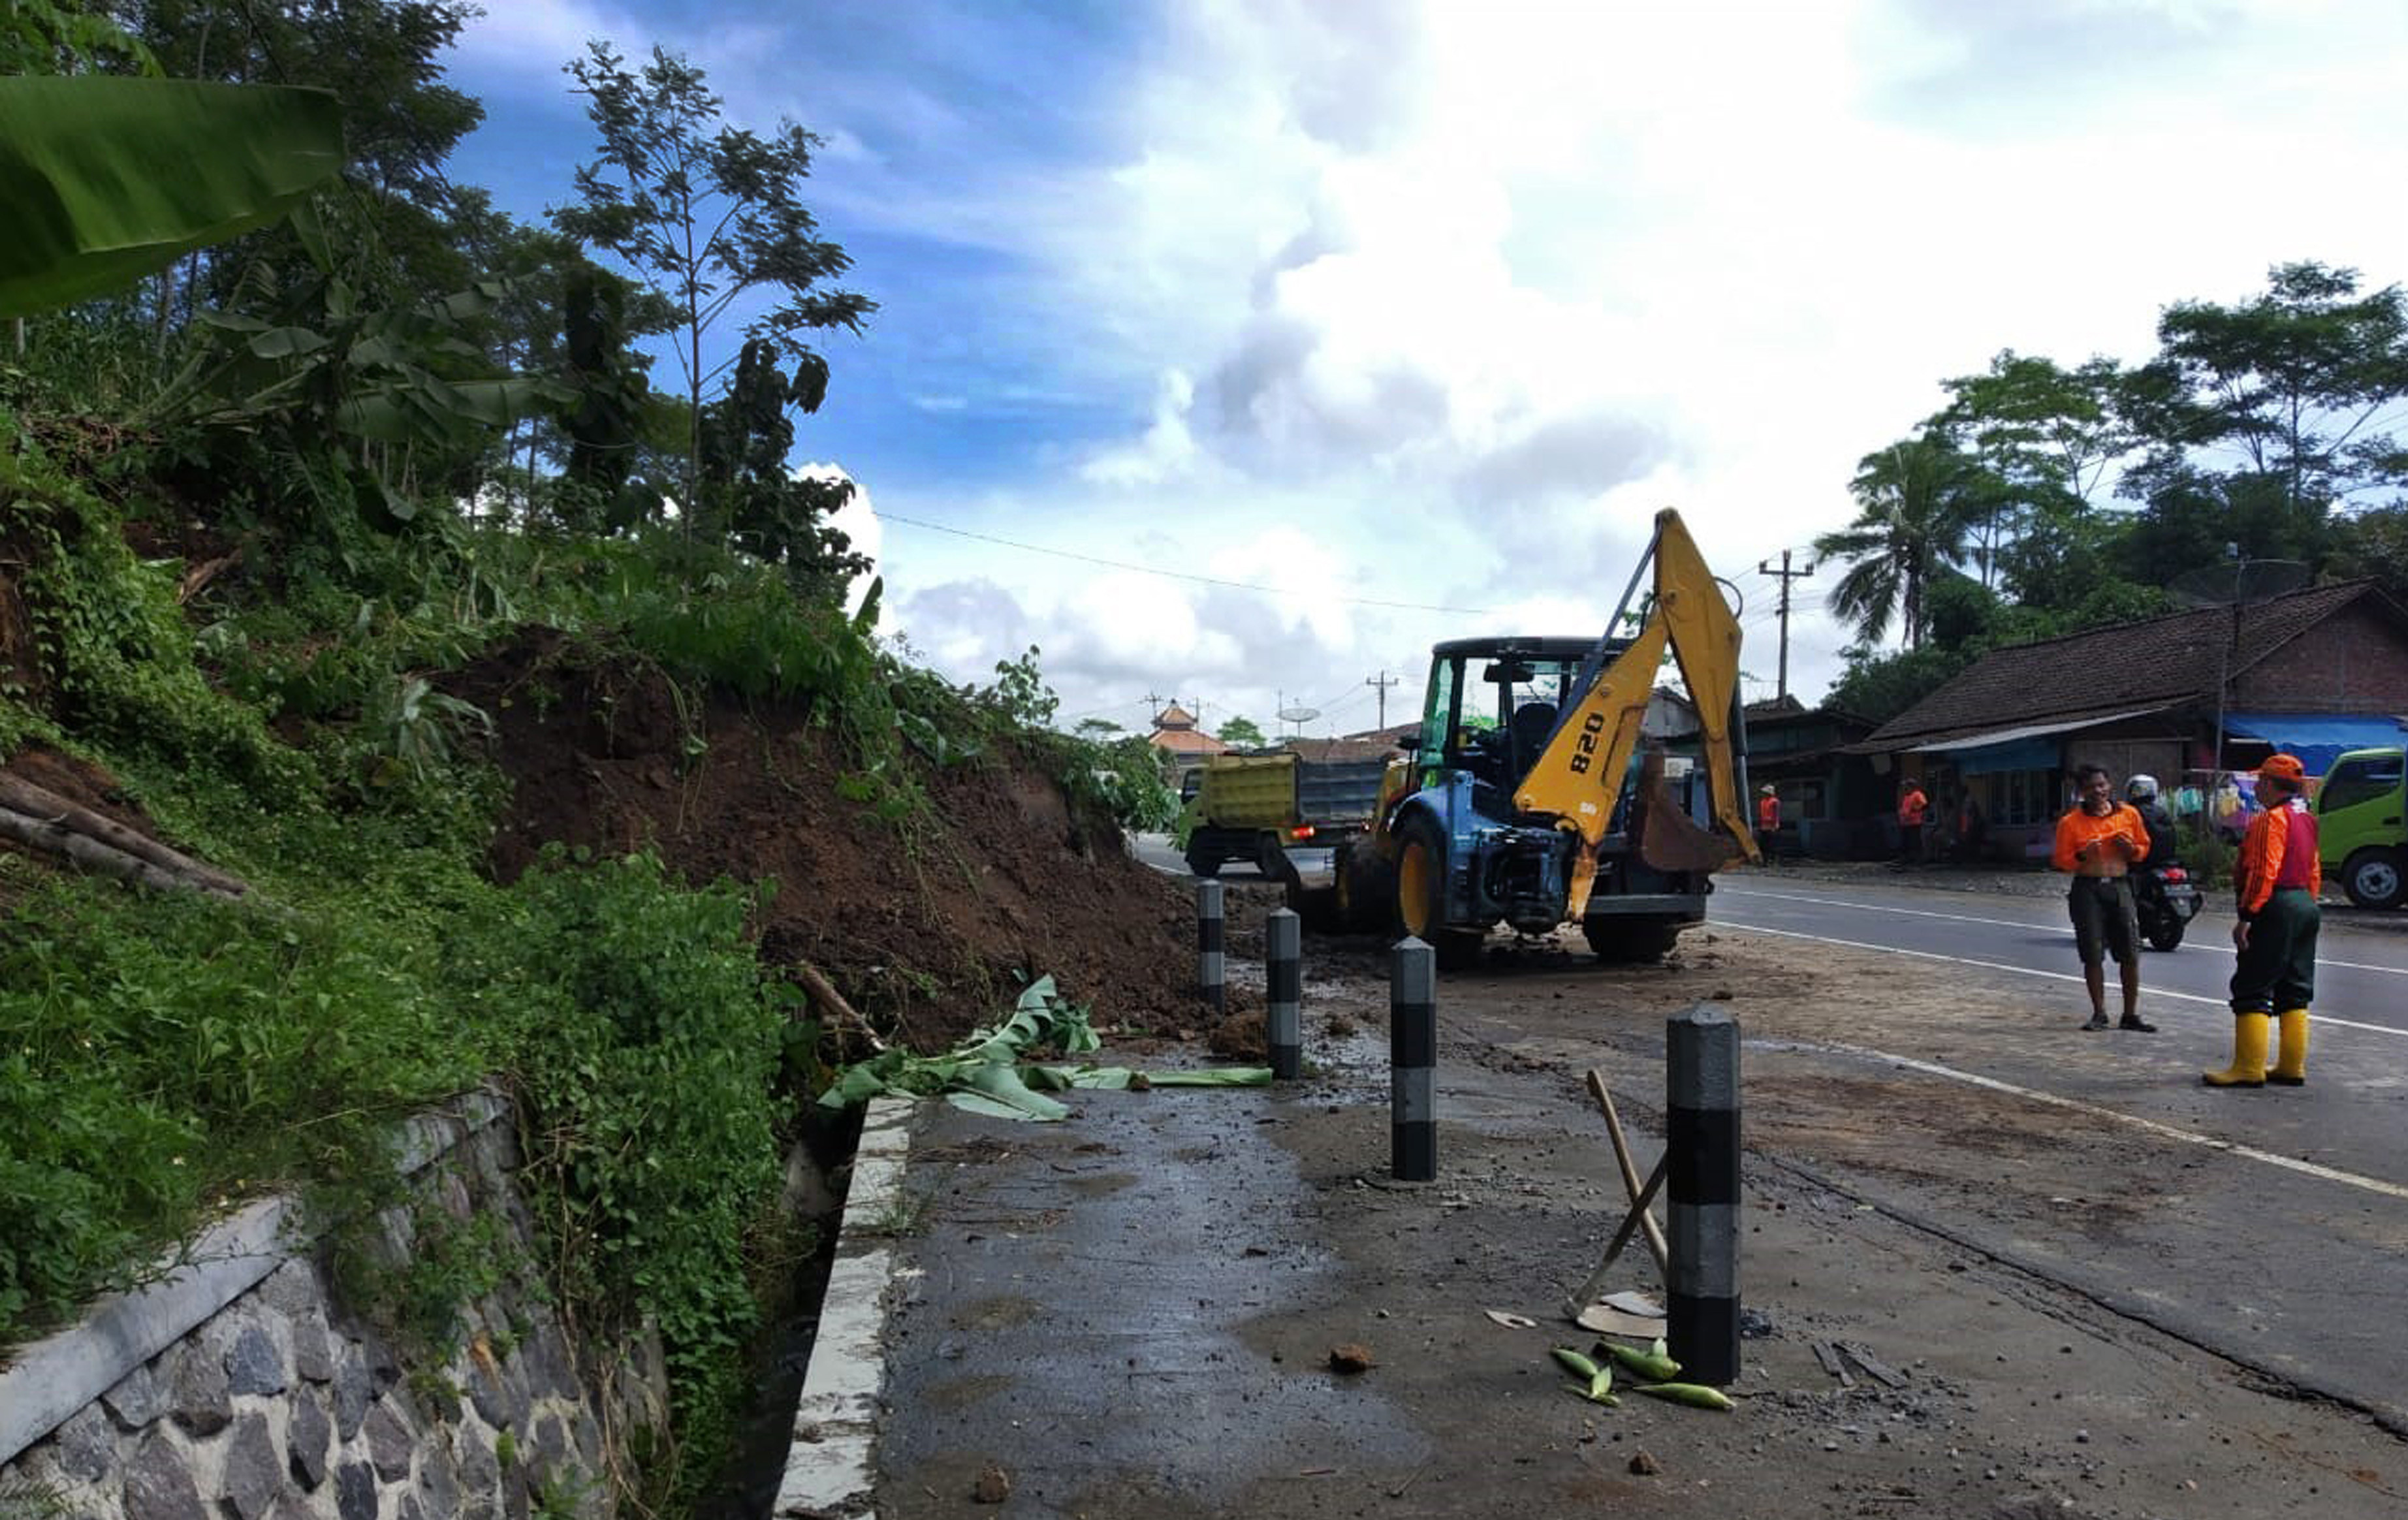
(2278, 970)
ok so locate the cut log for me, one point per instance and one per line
(40, 803)
(102, 859)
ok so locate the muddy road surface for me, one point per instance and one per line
(2102, 1290)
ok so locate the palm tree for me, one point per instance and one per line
(1917, 501)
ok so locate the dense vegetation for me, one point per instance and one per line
(2257, 448)
(254, 504)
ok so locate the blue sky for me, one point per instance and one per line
(1415, 311)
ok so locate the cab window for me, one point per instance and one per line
(2369, 777)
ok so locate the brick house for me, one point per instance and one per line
(2314, 672)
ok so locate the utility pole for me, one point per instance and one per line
(1383, 682)
(1787, 574)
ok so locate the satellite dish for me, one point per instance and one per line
(1299, 714)
(2240, 582)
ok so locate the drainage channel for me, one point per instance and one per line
(819, 1174)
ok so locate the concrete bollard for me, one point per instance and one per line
(1413, 1062)
(1283, 974)
(1211, 978)
(1702, 1142)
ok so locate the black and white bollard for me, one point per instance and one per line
(1284, 975)
(1701, 1142)
(1413, 1062)
(1211, 974)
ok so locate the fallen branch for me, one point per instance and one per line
(824, 994)
(45, 806)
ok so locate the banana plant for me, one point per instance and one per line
(108, 178)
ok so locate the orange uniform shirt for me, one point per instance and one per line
(2283, 835)
(1768, 813)
(1911, 807)
(2078, 828)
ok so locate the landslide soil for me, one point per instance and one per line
(932, 923)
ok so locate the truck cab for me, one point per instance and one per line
(2362, 825)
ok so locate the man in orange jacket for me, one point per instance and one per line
(2277, 879)
(1912, 805)
(1768, 821)
(2098, 841)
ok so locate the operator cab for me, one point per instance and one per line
(1492, 705)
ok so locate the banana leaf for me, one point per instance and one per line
(107, 179)
(1214, 1076)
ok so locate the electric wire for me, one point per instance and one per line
(1182, 575)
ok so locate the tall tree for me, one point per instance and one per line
(1916, 503)
(2050, 436)
(707, 213)
(2300, 384)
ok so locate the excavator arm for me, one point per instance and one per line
(1580, 773)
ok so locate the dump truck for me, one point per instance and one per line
(1529, 798)
(1257, 807)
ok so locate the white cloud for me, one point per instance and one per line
(538, 36)
(1438, 304)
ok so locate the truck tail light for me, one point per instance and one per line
(1301, 832)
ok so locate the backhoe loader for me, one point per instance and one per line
(1528, 799)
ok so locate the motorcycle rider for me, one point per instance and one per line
(2142, 793)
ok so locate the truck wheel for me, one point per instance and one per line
(1203, 863)
(1631, 941)
(2373, 878)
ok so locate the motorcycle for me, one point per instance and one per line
(2166, 901)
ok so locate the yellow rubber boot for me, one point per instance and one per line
(2248, 1068)
(2291, 1066)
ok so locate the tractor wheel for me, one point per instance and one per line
(1421, 897)
(1421, 881)
(1365, 890)
(1631, 941)
(1203, 862)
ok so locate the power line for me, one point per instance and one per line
(1180, 575)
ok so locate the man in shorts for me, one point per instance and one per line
(2098, 841)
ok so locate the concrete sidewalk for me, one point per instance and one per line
(1132, 1313)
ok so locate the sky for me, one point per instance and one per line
(1234, 351)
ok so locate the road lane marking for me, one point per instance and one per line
(2189, 1137)
(1994, 922)
(2026, 971)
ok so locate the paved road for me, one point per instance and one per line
(2361, 979)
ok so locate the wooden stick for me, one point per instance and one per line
(46, 806)
(1621, 1237)
(1655, 1241)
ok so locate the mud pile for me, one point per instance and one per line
(936, 923)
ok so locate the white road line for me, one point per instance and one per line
(2024, 970)
(1995, 923)
(2189, 1137)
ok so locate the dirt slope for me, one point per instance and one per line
(938, 924)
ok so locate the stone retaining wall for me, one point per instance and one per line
(240, 1386)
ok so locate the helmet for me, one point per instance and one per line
(2142, 788)
(1765, 790)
